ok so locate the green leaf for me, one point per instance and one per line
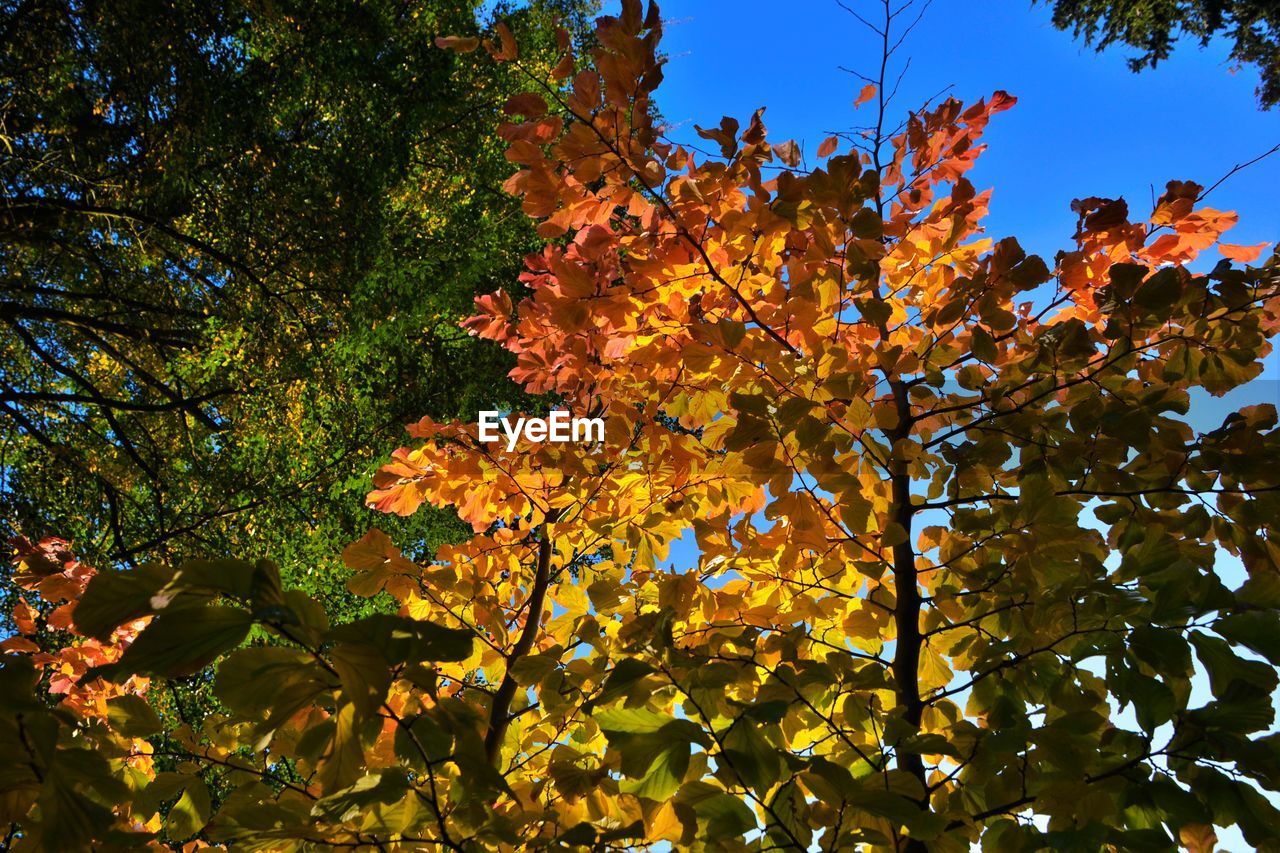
(722, 815)
(376, 789)
(631, 720)
(191, 812)
(1250, 712)
(404, 640)
(181, 643)
(531, 669)
(1163, 650)
(115, 597)
(1153, 702)
(69, 819)
(164, 787)
(984, 346)
(751, 758)
(364, 676)
(790, 807)
(666, 768)
(1259, 630)
(423, 735)
(1159, 292)
(249, 680)
(343, 759)
(131, 716)
(1226, 668)
(18, 683)
(625, 674)
(227, 575)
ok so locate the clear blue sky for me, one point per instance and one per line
(1084, 125)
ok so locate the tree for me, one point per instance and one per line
(1153, 26)
(955, 538)
(234, 243)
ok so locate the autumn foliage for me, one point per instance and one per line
(955, 542)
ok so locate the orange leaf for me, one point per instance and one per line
(1198, 837)
(19, 644)
(508, 50)
(458, 44)
(494, 320)
(828, 146)
(868, 92)
(60, 618)
(1242, 254)
(24, 617)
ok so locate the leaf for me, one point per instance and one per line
(868, 92)
(664, 823)
(131, 716)
(458, 44)
(791, 809)
(1242, 254)
(115, 597)
(506, 50)
(983, 345)
(249, 680)
(18, 683)
(375, 789)
(191, 812)
(181, 643)
(1159, 292)
(788, 152)
(935, 669)
(631, 720)
(1153, 702)
(1259, 630)
(164, 787)
(401, 639)
(725, 134)
(70, 819)
(666, 769)
(624, 675)
(364, 675)
(529, 104)
(751, 758)
(1226, 668)
(725, 817)
(343, 758)
(24, 617)
(1163, 650)
(1198, 838)
(828, 146)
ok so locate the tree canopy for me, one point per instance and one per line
(950, 553)
(236, 238)
(1153, 27)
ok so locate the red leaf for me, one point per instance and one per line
(1242, 254)
(528, 104)
(507, 49)
(24, 617)
(458, 44)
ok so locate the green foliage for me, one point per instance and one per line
(237, 240)
(1153, 26)
(310, 693)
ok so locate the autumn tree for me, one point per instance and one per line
(956, 541)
